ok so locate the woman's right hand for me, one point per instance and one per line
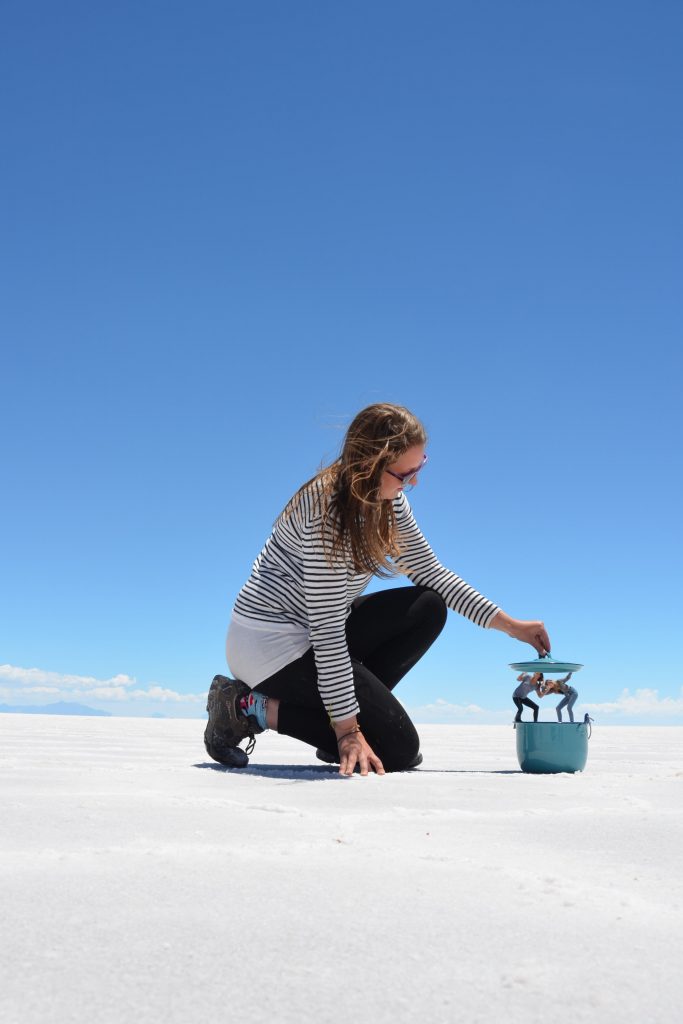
(354, 750)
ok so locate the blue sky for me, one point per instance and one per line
(229, 226)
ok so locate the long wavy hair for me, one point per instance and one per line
(357, 523)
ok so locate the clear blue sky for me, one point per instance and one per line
(229, 226)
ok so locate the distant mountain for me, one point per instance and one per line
(61, 707)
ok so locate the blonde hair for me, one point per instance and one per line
(357, 522)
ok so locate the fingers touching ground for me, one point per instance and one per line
(355, 750)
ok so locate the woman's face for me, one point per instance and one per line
(411, 460)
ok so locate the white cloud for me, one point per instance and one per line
(644, 702)
(32, 682)
(445, 708)
(27, 677)
(444, 711)
(645, 705)
(34, 685)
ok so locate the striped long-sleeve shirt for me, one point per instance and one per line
(294, 582)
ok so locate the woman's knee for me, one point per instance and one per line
(398, 751)
(432, 607)
(395, 740)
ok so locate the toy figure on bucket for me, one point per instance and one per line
(521, 698)
(548, 747)
(569, 695)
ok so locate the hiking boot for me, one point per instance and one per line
(328, 758)
(227, 726)
(231, 757)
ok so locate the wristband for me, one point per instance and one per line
(351, 732)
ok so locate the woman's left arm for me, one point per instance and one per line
(528, 631)
(422, 566)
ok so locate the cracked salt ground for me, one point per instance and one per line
(462, 891)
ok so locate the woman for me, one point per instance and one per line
(314, 659)
(521, 697)
(569, 695)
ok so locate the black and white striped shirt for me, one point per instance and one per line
(294, 582)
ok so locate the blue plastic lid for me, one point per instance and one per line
(546, 665)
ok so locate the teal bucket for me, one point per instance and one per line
(547, 747)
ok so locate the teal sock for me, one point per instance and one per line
(255, 705)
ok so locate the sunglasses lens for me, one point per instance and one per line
(405, 477)
(409, 476)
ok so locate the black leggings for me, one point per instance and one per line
(387, 633)
(519, 701)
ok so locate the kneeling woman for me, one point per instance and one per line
(314, 659)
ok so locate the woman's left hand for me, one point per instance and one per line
(533, 632)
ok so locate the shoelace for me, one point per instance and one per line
(241, 708)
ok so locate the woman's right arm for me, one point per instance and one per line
(325, 594)
(354, 749)
(325, 587)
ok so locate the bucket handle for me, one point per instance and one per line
(587, 720)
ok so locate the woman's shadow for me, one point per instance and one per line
(323, 772)
(294, 772)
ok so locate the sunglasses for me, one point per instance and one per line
(405, 477)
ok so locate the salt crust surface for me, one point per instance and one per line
(142, 882)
